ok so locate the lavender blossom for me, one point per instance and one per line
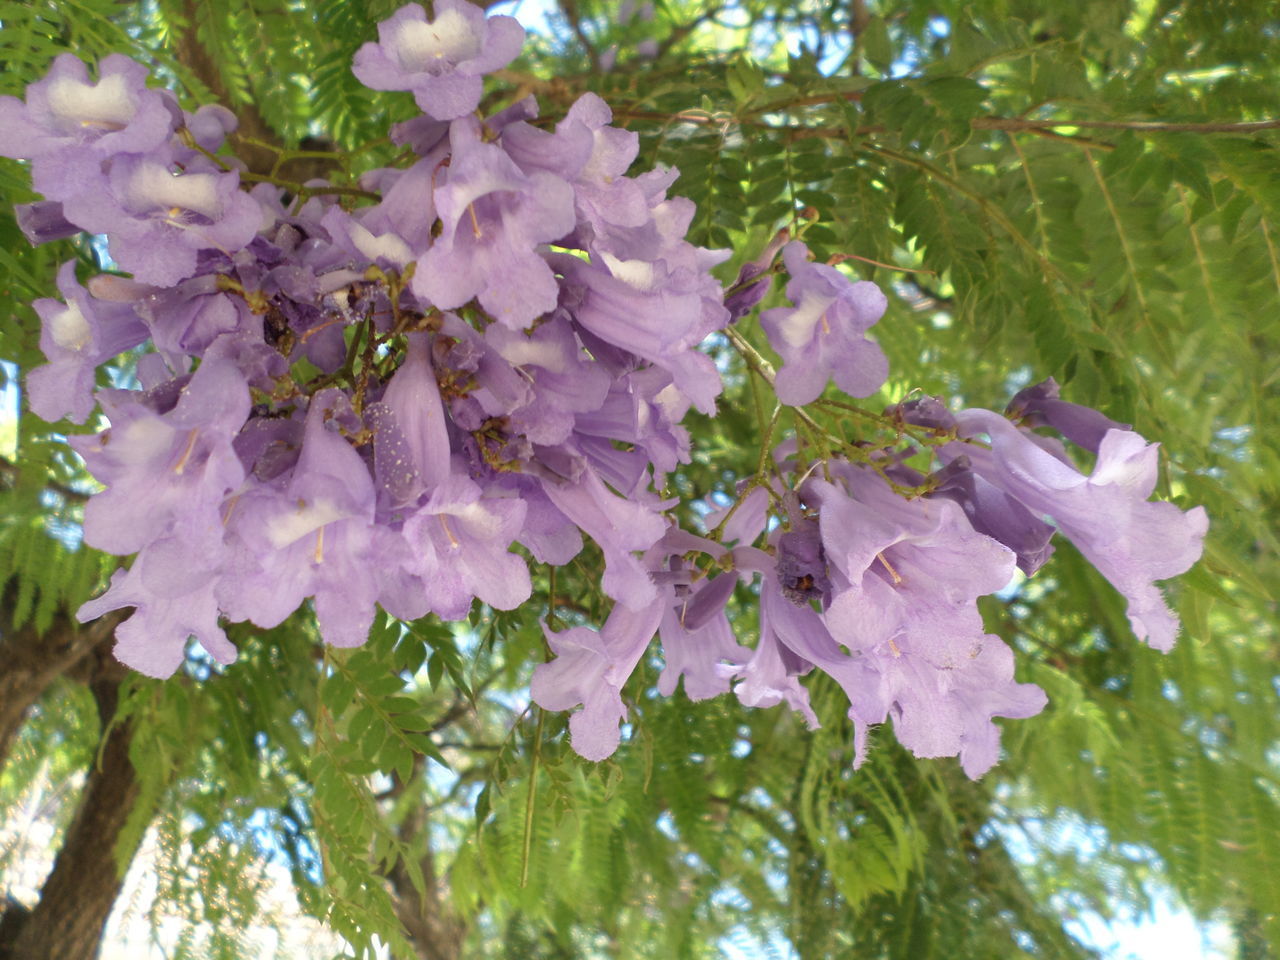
(824, 335)
(460, 542)
(44, 222)
(171, 583)
(1040, 405)
(1131, 541)
(754, 279)
(493, 217)
(76, 337)
(70, 123)
(167, 460)
(314, 537)
(914, 571)
(443, 60)
(157, 221)
(621, 527)
(411, 445)
(590, 668)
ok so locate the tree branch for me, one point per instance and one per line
(33, 660)
(1137, 126)
(569, 8)
(253, 135)
(80, 891)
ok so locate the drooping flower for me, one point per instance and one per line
(824, 335)
(493, 217)
(698, 644)
(908, 577)
(443, 61)
(1040, 405)
(411, 438)
(77, 336)
(310, 537)
(621, 528)
(590, 668)
(1131, 541)
(460, 543)
(633, 306)
(167, 460)
(754, 278)
(43, 222)
(171, 583)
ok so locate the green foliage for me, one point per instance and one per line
(964, 169)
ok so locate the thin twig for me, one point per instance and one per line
(1136, 126)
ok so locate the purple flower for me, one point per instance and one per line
(167, 462)
(643, 408)
(996, 514)
(590, 668)
(69, 119)
(755, 279)
(185, 320)
(914, 570)
(76, 337)
(634, 306)
(386, 248)
(564, 152)
(824, 335)
(1106, 515)
(771, 676)
(313, 536)
(619, 526)
(171, 583)
(594, 156)
(43, 222)
(548, 534)
(802, 565)
(442, 60)
(1039, 405)
(493, 217)
(705, 654)
(411, 439)
(210, 125)
(697, 640)
(566, 384)
(460, 544)
(156, 221)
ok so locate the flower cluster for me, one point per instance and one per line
(368, 406)
(879, 590)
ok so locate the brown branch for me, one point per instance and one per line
(253, 136)
(10, 473)
(859, 18)
(33, 660)
(435, 929)
(1044, 128)
(569, 8)
(1137, 126)
(80, 891)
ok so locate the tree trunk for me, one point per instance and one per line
(82, 888)
(435, 930)
(34, 660)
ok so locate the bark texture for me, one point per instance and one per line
(32, 661)
(82, 888)
(252, 131)
(435, 931)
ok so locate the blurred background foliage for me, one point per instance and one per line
(1087, 190)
